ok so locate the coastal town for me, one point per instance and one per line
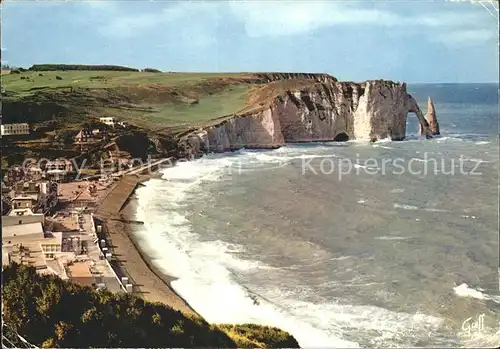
(54, 217)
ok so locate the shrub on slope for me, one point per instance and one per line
(63, 67)
(51, 312)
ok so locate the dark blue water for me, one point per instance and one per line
(463, 109)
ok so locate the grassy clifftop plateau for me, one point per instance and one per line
(156, 104)
(149, 100)
(50, 312)
(154, 101)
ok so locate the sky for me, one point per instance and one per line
(416, 41)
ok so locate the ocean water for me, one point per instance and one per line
(353, 244)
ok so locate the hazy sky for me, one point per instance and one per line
(412, 40)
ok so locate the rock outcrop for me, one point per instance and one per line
(323, 109)
(431, 119)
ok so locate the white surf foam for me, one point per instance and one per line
(467, 216)
(406, 207)
(383, 325)
(384, 140)
(385, 237)
(463, 290)
(415, 208)
(430, 209)
(341, 258)
(205, 269)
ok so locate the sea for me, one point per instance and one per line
(344, 244)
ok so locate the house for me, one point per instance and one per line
(15, 129)
(34, 173)
(83, 136)
(59, 164)
(26, 214)
(14, 174)
(51, 245)
(25, 200)
(47, 197)
(25, 187)
(5, 257)
(21, 225)
(83, 200)
(24, 241)
(79, 272)
(5, 189)
(58, 169)
(110, 121)
(120, 158)
(35, 196)
(63, 222)
(5, 205)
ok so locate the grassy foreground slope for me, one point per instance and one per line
(50, 312)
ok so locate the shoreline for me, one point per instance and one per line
(149, 282)
(129, 212)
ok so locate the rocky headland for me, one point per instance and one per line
(187, 115)
(313, 108)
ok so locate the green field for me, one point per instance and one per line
(208, 107)
(163, 107)
(102, 79)
(147, 100)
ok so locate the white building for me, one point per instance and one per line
(15, 129)
(22, 225)
(108, 121)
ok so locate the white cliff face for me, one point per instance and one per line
(261, 130)
(381, 112)
(322, 112)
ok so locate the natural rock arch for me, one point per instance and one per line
(424, 125)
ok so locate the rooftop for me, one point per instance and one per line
(5, 256)
(55, 171)
(79, 272)
(21, 212)
(26, 197)
(19, 124)
(63, 223)
(22, 230)
(59, 162)
(31, 254)
(22, 219)
(52, 238)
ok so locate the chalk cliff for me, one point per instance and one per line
(311, 108)
(431, 118)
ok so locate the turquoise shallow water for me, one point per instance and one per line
(344, 244)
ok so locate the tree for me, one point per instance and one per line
(66, 136)
(51, 312)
